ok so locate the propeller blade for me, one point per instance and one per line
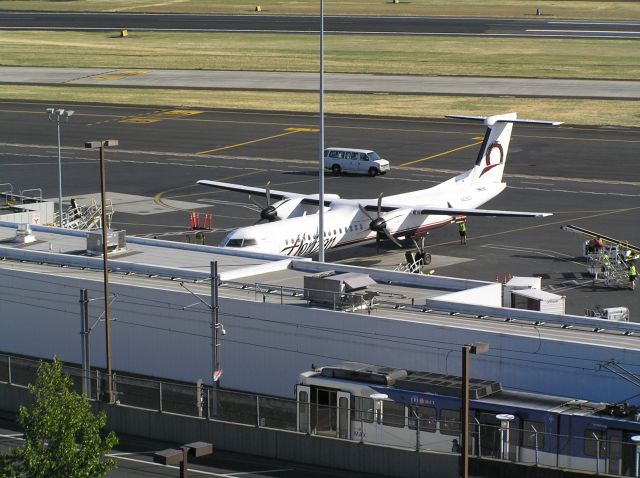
(393, 239)
(377, 243)
(255, 203)
(380, 204)
(268, 191)
(364, 211)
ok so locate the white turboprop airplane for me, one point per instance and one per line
(292, 226)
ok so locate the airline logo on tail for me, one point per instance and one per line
(493, 158)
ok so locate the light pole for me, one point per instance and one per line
(321, 146)
(636, 441)
(475, 348)
(105, 261)
(59, 115)
(505, 418)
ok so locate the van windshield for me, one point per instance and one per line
(373, 156)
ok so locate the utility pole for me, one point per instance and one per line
(109, 396)
(216, 327)
(321, 146)
(84, 333)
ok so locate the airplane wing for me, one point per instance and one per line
(251, 190)
(275, 194)
(450, 211)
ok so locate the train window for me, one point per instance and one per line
(363, 408)
(590, 441)
(427, 416)
(450, 422)
(529, 436)
(393, 414)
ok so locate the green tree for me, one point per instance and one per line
(61, 434)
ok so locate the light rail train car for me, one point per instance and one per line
(421, 410)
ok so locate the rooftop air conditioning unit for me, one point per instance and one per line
(116, 242)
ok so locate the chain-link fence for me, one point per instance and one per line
(593, 450)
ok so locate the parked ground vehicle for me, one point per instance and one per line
(421, 410)
(358, 161)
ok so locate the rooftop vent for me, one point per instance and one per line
(24, 235)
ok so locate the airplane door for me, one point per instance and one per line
(344, 415)
(304, 408)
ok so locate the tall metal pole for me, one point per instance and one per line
(215, 322)
(84, 331)
(464, 457)
(105, 265)
(321, 165)
(59, 175)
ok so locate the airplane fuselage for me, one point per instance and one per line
(345, 224)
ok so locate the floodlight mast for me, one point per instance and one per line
(57, 116)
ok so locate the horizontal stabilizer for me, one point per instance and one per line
(489, 120)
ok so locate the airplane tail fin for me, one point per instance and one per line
(492, 156)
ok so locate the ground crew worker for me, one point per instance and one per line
(605, 265)
(632, 275)
(462, 229)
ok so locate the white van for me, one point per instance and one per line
(359, 161)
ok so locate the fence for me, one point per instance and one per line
(595, 451)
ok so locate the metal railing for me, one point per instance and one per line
(593, 452)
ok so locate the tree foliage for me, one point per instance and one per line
(61, 434)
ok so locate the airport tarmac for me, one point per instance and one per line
(582, 175)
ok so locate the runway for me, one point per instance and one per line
(582, 175)
(373, 25)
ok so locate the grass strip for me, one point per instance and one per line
(586, 9)
(398, 55)
(572, 111)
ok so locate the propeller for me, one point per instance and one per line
(379, 225)
(268, 213)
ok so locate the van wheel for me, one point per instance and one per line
(373, 172)
(335, 169)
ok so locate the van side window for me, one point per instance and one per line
(333, 154)
(364, 157)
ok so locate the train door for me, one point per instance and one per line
(614, 451)
(344, 415)
(303, 394)
(323, 416)
(488, 438)
(628, 456)
(491, 441)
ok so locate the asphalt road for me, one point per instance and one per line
(585, 176)
(485, 27)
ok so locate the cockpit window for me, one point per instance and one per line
(241, 243)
